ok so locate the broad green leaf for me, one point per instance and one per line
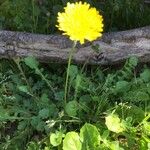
(90, 137)
(56, 138)
(71, 108)
(31, 62)
(115, 146)
(114, 124)
(72, 141)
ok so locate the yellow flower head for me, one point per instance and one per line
(80, 22)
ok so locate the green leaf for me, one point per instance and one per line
(122, 86)
(145, 75)
(56, 138)
(4, 114)
(33, 146)
(142, 96)
(73, 71)
(146, 127)
(34, 121)
(44, 98)
(71, 108)
(59, 95)
(31, 62)
(44, 113)
(72, 141)
(105, 134)
(22, 125)
(41, 126)
(90, 137)
(114, 124)
(115, 146)
(24, 89)
(133, 61)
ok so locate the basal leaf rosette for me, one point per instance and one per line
(80, 22)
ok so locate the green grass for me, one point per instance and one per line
(31, 105)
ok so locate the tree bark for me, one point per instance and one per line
(114, 47)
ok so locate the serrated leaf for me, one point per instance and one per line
(31, 62)
(142, 96)
(71, 108)
(34, 121)
(72, 141)
(122, 86)
(22, 125)
(133, 61)
(40, 126)
(44, 98)
(59, 95)
(89, 136)
(145, 75)
(44, 113)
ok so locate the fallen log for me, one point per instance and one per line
(115, 47)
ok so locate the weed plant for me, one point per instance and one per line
(105, 108)
(32, 116)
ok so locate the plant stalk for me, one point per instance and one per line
(68, 69)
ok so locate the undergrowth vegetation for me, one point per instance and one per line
(40, 15)
(106, 108)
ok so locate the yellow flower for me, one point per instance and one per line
(80, 22)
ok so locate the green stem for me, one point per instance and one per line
(47, 82)
(68, 68)
(33, 16)
(17, 61)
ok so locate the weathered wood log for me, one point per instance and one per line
(115, 47)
